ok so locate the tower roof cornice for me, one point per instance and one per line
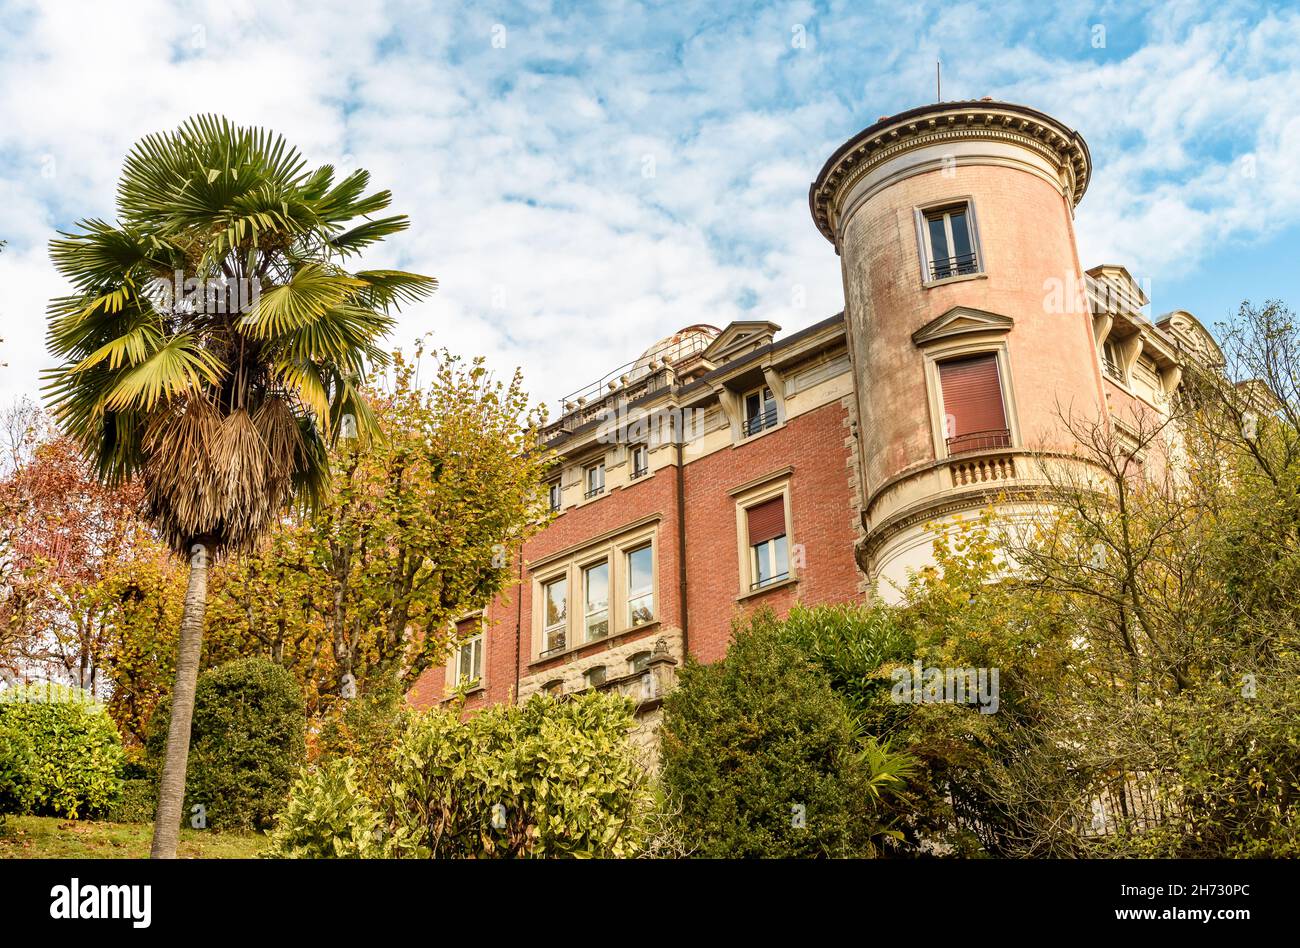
(948, 122)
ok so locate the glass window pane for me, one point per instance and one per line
(938, 240)
(596, 598)
(960, 237)
(640, 571)
(781, 555)
(762, 562)
(556, 611)
(641, 610)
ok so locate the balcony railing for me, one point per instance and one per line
(594, 492)
(771, 580)
(638, 472)
(989, 440)
(959, 265)
(761, 421)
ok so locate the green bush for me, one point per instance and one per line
(15, 772)
(546, 778)
(367, 729)
(761, 757)
(73, 757)
(137, 802)
(247, 742)
(329, 816)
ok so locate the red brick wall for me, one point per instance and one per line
(822, 523)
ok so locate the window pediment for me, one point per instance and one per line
(960, 321)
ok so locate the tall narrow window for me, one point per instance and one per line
(553, 495)
(1111, 361)
(555, 603)
(469, 662)
(950, 242)
(769, 554)
(595, 475)
(974, 416)
(640, 461)
(640, 586)
(595, 585)
(760, 411)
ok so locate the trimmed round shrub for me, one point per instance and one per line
(73, 753)
(247, 743)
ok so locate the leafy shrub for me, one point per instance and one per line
(75, 753)
(761, 757)
(367, 729)
(328, 816)
(851, 643)
(546, 778)
(137, 802)
(15, 766)
(247, 742)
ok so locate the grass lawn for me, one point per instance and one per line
(49, 837)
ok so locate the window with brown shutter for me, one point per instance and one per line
(974, 417)
(766, 520)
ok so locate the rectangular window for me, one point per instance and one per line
(760, 411)
(554, 495)
(768, 546)
(469, 662)
(640, 461)
(974, 416)
(595, 613)
(640, 586)
(555, 621)
(595, 478)
(949, 242)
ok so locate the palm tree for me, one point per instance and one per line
(214, 346)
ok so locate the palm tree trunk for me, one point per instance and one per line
(171, 791)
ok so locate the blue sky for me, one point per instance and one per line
(586, 178)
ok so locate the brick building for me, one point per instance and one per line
(730, 468)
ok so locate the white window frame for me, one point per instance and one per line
(475, 643)
(1111, 355)
(587, 613)
(926, 250)
(634, 595)
(642, 452)
(763, 408)
(613, 552)
(589, 492)
(745, 551)
(755, 566)
(563, 625)
(555, 495)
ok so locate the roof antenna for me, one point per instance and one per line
(938, 83)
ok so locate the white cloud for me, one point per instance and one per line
(523, 167)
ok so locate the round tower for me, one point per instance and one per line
(967, 321)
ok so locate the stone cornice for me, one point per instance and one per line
(944, 122)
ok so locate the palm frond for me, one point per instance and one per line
(297, 305)
(179, 367)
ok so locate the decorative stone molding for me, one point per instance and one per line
(959, 321)
(1060, 148)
